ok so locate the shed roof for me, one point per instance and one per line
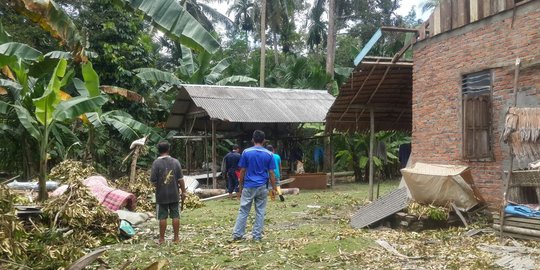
(379, 84)
(234, 104)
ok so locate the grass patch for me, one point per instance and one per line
(295, 234)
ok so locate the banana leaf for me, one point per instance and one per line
(237, 80)
(175, 21)
(53, 19)
(77, 106)
(156, 75)
(45, 105)
(12, 50)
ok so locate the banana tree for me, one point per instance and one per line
(195, 70)
(48, 112)
(167, 15)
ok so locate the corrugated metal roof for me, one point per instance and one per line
(253, 104)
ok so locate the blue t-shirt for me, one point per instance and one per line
(257, 161)
(277, 160)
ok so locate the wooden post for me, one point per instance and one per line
(206, 153)
(371, 142)
(214, 155)
(510, 152)
(332, 178)
(133, 169)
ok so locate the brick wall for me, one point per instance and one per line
(439, 64)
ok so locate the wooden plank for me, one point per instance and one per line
(446, 15)
(431, 28)
(398, 29)
(517, 230)
(473, 8)
(509, 4)
(487, 8)
(520, 236)
(463, 11)
(437, 21)
(522, 225)
(519, 219)
(455, 14)
(214, 155)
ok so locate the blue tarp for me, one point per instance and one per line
(521, 210)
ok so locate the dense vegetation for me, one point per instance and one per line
(102, 58)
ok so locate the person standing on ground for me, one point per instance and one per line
(167, 177)
(256, 171)
(231, 166)
(277, 171)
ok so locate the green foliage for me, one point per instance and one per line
(176, 21)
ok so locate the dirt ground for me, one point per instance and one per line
(300, 235)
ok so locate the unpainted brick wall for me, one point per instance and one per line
(439, 64)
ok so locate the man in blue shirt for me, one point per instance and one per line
(277, 171)
(256, 170)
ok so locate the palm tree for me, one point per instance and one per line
(244, 14)
(331, 40)
(263, 42)
(206, 15)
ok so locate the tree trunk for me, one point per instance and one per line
(43, 195)
(331, 42)
(263, 42)
(276, 55)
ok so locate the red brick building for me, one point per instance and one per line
(463, 75)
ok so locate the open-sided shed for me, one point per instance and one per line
(235, 112)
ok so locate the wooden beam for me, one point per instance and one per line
(398, 29)
(371, 145)
(386, 64)
(214, 155)
(359, 89)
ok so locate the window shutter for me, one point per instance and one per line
(477, 116)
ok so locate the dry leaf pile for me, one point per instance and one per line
(141, 188)
(71, 171)
(193, 201)
(144, 191)
(12, 233)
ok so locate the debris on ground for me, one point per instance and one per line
(71, 171)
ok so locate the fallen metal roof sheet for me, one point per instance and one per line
(251, 104)
(385, 206)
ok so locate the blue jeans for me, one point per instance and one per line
(259, 195)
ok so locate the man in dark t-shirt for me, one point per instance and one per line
(231, 166)
(167, 177)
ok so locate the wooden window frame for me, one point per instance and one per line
(489, 156)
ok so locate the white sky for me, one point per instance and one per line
(403, 10)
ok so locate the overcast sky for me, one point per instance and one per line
(404, 9)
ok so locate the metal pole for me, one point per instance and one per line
(371, 142)
(214, 155)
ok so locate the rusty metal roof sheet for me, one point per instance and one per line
(250, 104)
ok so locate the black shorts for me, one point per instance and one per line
(171, 210)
